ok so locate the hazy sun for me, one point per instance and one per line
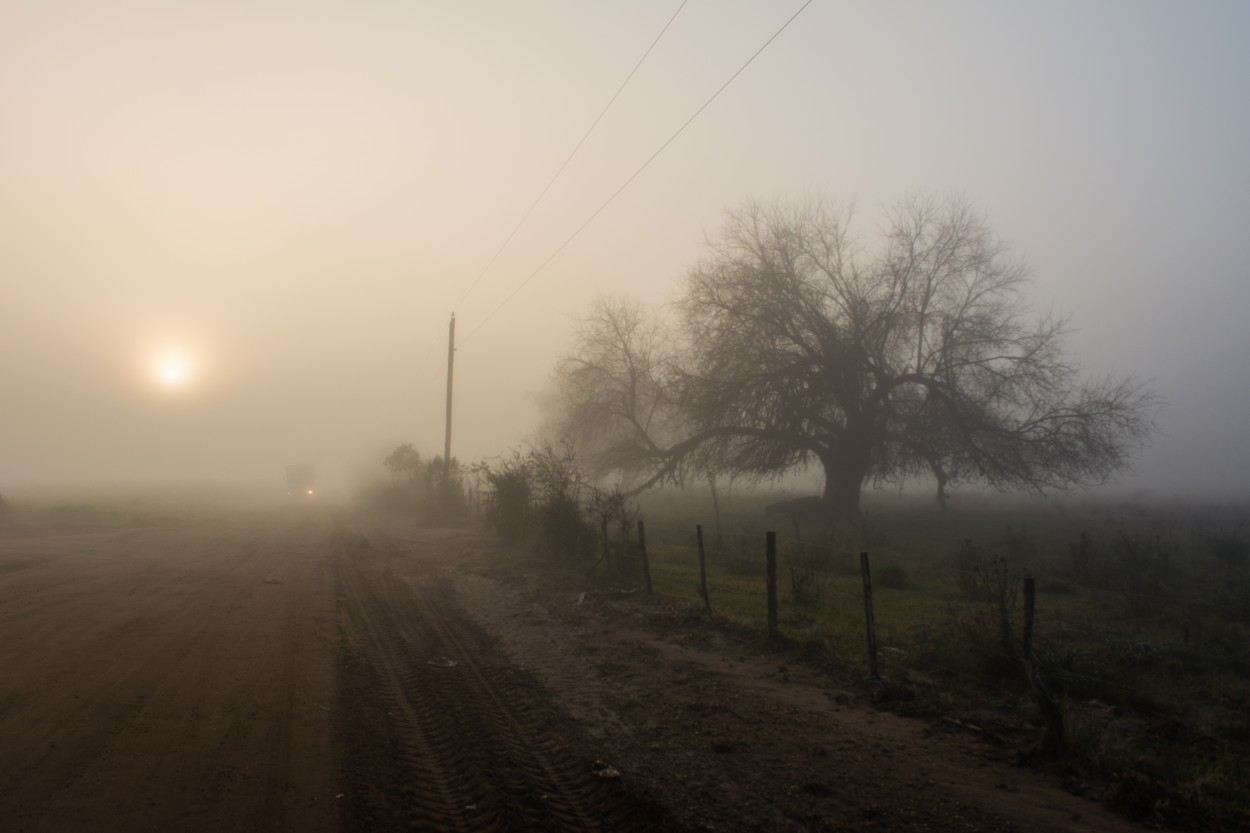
(172, 371)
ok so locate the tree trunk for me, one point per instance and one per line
(844, 481)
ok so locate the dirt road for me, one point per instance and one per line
(169, 678)
(296, 668)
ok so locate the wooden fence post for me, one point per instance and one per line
(707, 601)
(1054, 742)
(1029, 597)
(607, 560)
(868, 618)
(770, 552)
(642, 549)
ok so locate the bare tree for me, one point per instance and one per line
(615, 391)
(797, 348)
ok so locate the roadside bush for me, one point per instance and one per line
(563, 526)
(508, 498)
(564, 529)
(535, 498)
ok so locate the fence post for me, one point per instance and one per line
(770, 552)
(642, 549)
(868, 618)
(707, 602)
(1029, 601)
(1054, 742)
(607, 560)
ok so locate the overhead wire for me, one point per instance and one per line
(569, 158)
(636, 173)
(430, 376)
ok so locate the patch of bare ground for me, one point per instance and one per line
(168, 679)
(727, 735)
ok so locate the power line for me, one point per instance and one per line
(635, 174)
(429, 377)
(569, 158)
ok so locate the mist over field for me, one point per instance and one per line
(232, 235)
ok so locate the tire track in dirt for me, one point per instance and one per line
(477, 749)
(441, 789)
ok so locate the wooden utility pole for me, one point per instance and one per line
(451, 360)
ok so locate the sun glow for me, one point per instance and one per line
(172, 371)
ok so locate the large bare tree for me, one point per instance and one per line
(797, 346)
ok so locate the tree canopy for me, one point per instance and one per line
(795, 345)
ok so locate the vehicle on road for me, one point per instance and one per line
(301, 480)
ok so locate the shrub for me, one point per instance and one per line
(535, 497)
(562, 525)
(508, 499)
(563, 528)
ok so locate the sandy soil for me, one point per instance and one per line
(169, 678)
(299, 668)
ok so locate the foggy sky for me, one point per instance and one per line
(296, 196)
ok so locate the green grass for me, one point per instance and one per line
(1143, 631)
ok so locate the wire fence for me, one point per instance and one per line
(1124, 670)
(962, 621)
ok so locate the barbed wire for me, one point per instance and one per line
(792, 552)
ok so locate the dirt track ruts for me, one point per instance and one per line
(473, 747)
